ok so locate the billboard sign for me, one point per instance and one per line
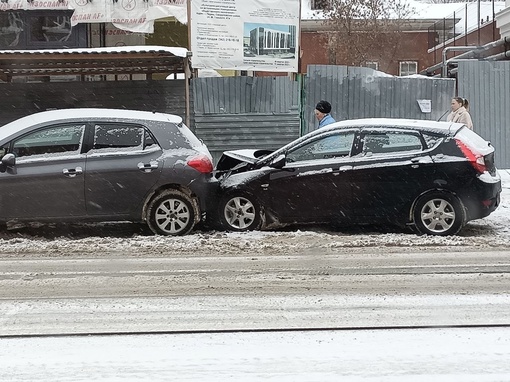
(259, 35)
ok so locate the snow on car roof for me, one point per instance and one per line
(421, 124)
(73, 114)
(450, 128)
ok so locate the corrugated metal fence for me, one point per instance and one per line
(21, 99)
(245, 112)
(356, 92)
(486, 85)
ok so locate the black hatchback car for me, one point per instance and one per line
(434, 176)
(81, 165)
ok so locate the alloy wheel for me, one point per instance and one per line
(240, 213)
(172, 216)
(438, 215)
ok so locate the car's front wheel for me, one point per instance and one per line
(171, 213)
(439, 213)
(240, 212)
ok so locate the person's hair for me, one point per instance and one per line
(459, 100)
(323, 106)
(462, 101)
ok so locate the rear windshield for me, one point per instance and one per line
(474, 141)
(192, 139)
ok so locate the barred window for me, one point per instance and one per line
(408, 67)
(320, 4)
(372, 65)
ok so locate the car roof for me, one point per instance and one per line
(437, 127)
(65, 115)
(416, 124)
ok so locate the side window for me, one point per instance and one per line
(332, 146)
(115, 137)
(50, 141)
(148, 140)
(389, 143)
(431, 140)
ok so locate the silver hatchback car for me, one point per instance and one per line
(79, 165)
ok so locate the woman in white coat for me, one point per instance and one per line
(459, 112)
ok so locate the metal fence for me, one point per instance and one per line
(356, 92)
(245, 112)
(21, 99)
(486, 84)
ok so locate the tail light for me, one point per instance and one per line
(201, 163)
(476, 159)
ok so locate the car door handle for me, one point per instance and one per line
(72, 172)
(147, 167)
(342, 169)
(416, 162)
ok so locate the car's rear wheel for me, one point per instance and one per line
(240, 212)
(171, 213)
(438, 213)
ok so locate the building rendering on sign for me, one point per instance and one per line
(265, 41)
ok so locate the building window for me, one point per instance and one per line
(52, 28)
(408, 67)
(11, 29)
(320, 4)
(372, 65)
(42, 29)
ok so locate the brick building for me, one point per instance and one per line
(432, 28)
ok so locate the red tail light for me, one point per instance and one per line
(486, 203)
(201, 163)
(476, 159)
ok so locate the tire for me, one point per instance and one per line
(171, 213)
(439, 213)
(240, 212)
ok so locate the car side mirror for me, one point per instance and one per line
(279, 162)
(8, 161)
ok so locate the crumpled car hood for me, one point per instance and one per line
(232, 158)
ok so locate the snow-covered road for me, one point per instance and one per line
(313, 289)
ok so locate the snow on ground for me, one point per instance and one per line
(493, 231)
(468, 355)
